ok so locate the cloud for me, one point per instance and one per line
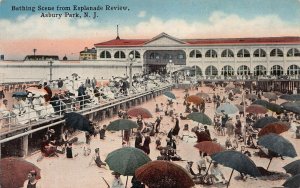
(142, 14)
(218, 25)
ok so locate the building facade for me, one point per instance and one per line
(88, 54)
(210, 57)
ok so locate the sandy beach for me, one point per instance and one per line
(76, 173)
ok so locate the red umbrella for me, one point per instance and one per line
(14, 172)
(102, 83)
(195, 99)
(164, 174)
(209, 147)
(135, 112)
(256, 109)
(276, 127)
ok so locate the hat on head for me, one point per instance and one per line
(190, 162)
(97, 150)
(33, 172)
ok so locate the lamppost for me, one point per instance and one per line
(51, 63)
(131, 58)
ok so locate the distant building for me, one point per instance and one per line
(41, 57)
(65, 58)
(88, 54)
(1, 57)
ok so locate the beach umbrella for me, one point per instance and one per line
(291, 106)
(292, 182)
(164, 174)
(101, 83)
(228, 108)
(14, 171)
(169, 95)
(37, 91)
(236, 90)
(195, 99)
(277, 144)
(293, 167)
(137, 111)
(261, 102)
(271, 96)
(209, 147)
(74, 75)
(78, 122)
(126, 160)
(20, 94)
(240, 107)
(200, 118)
(251, 96)
(121, 124)
(276, 127)
(203, 95)
(293, 97)
(275, 108)
(237, 161)
(256, 109)
(262, 122)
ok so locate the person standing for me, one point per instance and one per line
(32, 181)
(60, 83)
(117, 182)
(176, 127)
(94, 82)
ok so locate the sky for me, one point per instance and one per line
(23, 29)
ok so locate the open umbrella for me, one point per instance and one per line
(126, 160)
(292, 182)
(293, 167)
(261, 102)
(14, 171)
(74, 75)
(37, 91)
(293, 97)
(275, 108)
(164, 174)
(101, 83)
(195, 99)
(256, 109)
(121, 124)
(78, 122)
(136, 111)
(276, 127)
(240, 107)
(228, 108)
(277, 144)
(262, 122)
(271, 96)
(19, 94)
(209, 147)
(169, 95)
(203, 95)
(237, 161)
(251, 96)
(200, 118)
(291, 106)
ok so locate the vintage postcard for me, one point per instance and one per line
(149, 93)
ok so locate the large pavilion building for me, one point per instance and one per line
(210, 57)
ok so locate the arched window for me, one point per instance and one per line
(293, 69)
(227, 53)
(277, 70)
(276, 53)
(227, 71)
(180, 56)
(105, 54)
(211, 53)
(243, 70)
(293, 52)
(243, 53)
(135, 54)
(195, 54)
(198, 71)
(154, 55)
(211, 71)
(260, 70)
(168, 56)
(259, 53)
(119, 55)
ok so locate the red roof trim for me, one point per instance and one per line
(219, 41)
